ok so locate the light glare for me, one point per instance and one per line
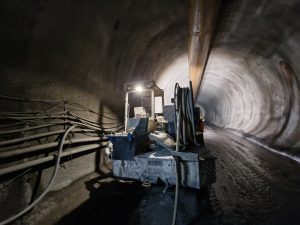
(139, 88)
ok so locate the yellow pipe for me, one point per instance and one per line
(202, 16)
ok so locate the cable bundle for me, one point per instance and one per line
(184, 108)
(40, 132)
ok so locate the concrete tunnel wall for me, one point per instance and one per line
(246, 88)
(84, 51)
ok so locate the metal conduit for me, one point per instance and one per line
(36, 162)
(22, 151)
(30, 128)
(28, 138)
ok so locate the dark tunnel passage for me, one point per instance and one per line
(63, 61)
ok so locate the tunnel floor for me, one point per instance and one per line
(254, 186)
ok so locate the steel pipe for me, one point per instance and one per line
(32, 137)
(22, 151)
(36, 162)
(31, 128)
(28, 138)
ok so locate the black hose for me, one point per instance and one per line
(183, 103)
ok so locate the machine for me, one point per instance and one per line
(146, 150)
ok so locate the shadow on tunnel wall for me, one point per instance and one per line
(111, 121)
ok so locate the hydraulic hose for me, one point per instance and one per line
(35, 202)
(177, 172)
(183, 101)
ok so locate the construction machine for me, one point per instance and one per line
(161, 143)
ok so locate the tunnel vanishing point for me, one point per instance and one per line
(66, 62)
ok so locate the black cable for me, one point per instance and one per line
(5, 97)
(183, 103)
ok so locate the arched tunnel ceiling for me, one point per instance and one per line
(98, 45)
(245, 87)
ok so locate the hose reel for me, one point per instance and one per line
(184, 109)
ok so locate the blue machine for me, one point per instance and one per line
(143, 153)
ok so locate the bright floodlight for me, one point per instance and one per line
(139, 88)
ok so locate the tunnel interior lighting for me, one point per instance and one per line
(139, 88)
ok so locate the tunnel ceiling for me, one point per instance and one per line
(95, 46)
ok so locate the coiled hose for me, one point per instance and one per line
(184, 104)
(35, 202)
(185, 130)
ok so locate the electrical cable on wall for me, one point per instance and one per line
(20, 127)
(35, 202)
(57, 103)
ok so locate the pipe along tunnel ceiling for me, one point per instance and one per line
(85, 51)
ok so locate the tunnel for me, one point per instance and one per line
(63, 67)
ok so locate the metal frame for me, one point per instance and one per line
(150, 86)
